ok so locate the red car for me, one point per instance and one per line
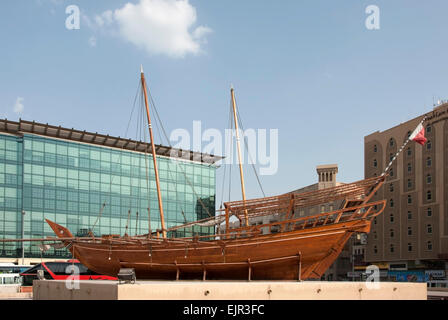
(61, 271)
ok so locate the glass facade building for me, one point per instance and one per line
(68, 182)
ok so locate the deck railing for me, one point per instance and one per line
(365, 211)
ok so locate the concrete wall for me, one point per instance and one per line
(88, 290)
(229, 290)
(9, 288)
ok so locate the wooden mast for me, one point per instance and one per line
(235, 117)
(153, 149)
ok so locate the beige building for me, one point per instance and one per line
(326, 179)
(412, 232)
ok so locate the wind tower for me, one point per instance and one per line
(327, 175)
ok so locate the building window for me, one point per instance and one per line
(428, 162)
(409, 152)
(428, 195)
(392, 249)
(391, 203)
(375, 148)
(375, 249)
(374, 221)
(409, 215)
(428, 129)
(409, 183)
(391, 172)
(409, 247)
(409, 231)
(409, 167)
(409, 199)
(391, 187)
(409, 134)
(375, 163)
(391, 217)
(391, 232)
(428, 145)
(429, 245)
(375, 235)
(428, 179)
(429, 212)
(322, 209)
(429, 228)
(391, 156)
(391, 142)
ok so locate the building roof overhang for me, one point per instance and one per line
(31, 127)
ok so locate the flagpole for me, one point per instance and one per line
(401, 149)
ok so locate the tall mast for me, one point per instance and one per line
(243, 190)
(153, 149)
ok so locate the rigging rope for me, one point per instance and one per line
(240, 121)
(231, 149)
(159, 225)
(159, 126)
(125, 135)
(136, 224)
(99, 217)
(152, 104)
(227, 147)
(147, 185)
(400, 150)
(127, 222)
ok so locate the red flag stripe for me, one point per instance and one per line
(419, 135)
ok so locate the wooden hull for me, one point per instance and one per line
(281, 256)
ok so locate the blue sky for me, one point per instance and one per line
(310, 69)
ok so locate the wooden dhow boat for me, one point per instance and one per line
(304, 248)
(301, 247)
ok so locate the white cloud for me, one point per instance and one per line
(85, 19)
(105, 19)
(18, 106)
(51, 3)
(157, 26)
(92, 41)
(200, 32)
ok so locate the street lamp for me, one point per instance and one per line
(23, 237)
